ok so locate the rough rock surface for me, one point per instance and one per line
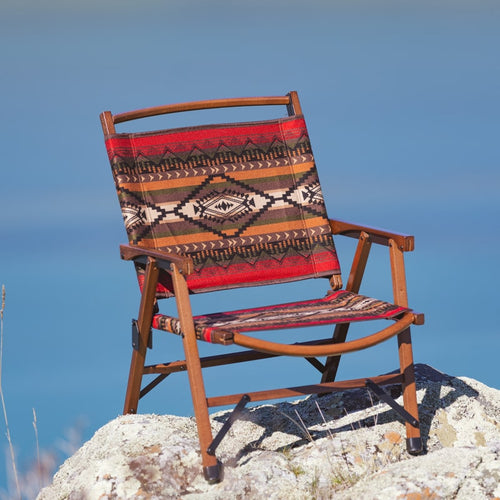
(345, 445)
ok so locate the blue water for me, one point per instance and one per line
(402, 103)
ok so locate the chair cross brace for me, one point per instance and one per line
(317, 364)
(386, 398)
(153, 384)
(228, 423)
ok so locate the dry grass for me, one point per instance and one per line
(4, 408)
(353, 465)
(25, 484)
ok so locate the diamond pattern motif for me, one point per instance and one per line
(224, 206)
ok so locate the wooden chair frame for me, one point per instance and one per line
(180, 266)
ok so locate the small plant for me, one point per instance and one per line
(342, 480)
(315, 484)
(296, 469)
(287, 453)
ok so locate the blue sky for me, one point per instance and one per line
(402, 101)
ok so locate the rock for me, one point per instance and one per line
(344, 445)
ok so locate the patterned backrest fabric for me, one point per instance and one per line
(243, 200)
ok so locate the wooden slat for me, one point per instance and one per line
(303, 390)
(221, 359)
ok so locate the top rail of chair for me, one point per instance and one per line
(196, 105)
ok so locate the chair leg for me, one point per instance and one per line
(353, 284)
(332, 362)
(413, 438)
(212, 469)
(134, 380)
(148, 302)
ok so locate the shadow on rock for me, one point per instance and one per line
(300, 421)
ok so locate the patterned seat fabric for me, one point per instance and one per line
(337, 307)
(242, 200)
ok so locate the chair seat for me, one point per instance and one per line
(336, 307)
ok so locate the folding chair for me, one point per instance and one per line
(216, 207)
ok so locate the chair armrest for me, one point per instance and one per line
(163, 259)
(405, 242)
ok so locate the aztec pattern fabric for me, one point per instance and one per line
(242, 200)
(336, 307)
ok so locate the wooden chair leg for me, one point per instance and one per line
(212, 469)
(413, 438)
(332, 362)
(143, 325)
(134, 381)
(353, 284)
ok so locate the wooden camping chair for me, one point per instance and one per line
(215, 207)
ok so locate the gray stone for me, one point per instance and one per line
(344, 445)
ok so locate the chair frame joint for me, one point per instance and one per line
(136, 336)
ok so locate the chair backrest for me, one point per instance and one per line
(243, 200)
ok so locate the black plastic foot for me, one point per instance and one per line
(414, 446)
(213, 474)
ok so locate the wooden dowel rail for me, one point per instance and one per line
(221, 359)
(303, 390)
(197, 105)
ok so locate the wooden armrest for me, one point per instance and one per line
(163, 259)
(405, 242)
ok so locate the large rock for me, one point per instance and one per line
(344, 445)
